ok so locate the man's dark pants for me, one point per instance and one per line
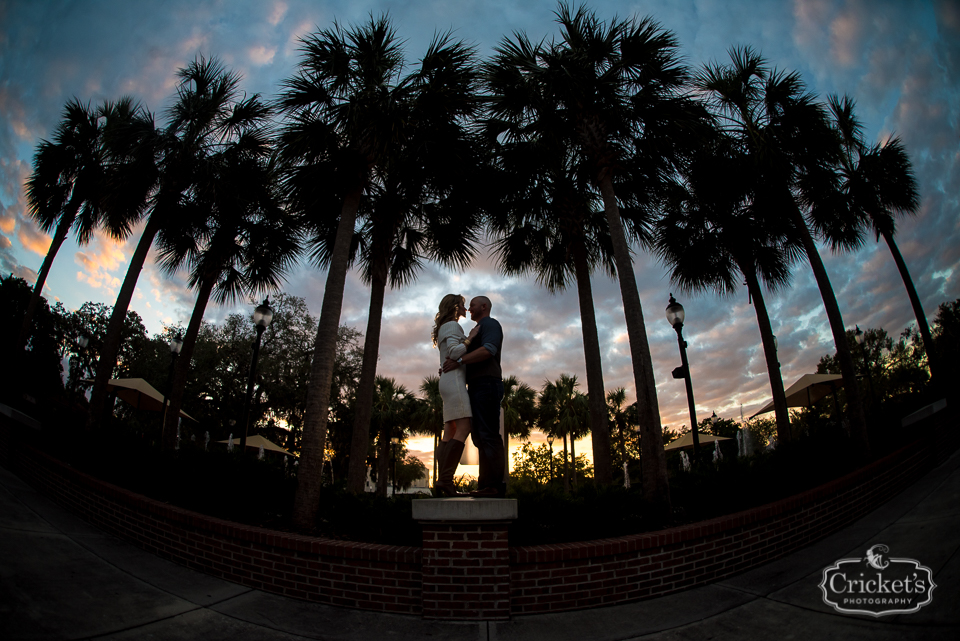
(486, 395)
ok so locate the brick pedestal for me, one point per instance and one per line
(466, 558)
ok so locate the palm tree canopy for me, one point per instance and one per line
(68, 179)
(564, 409)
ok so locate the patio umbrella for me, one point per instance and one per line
(256, 441)
(139, 393)
(809, 389)
(685, 442)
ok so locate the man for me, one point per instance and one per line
(485, 388)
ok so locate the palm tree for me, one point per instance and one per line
(715, 235)
(154, 171)
(393, 409)
(617, 91)
(565, 412)
(623, 418)
(546, 223)
(65, 190)
(519, 413)
(344, 116)
(406, 201)
(879, 186)
(428, 416)
(786, 137)
(242, 248)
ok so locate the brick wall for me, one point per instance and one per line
(466, 571)
(552, 578)
(546, 578)
(384, 578)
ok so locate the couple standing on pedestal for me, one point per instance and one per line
(471, 386)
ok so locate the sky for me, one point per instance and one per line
(899, 60)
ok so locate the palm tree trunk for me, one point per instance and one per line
(111, 343)
(933, 357)
(599, 431)
(182, 368)
(858, 423)
(770, 353)
(566, 467)
(383, 461)
(317, 408)
(63, 228)
(360, 440)
(573, 462)
(654, 462)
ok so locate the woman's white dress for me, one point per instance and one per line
(453, 384)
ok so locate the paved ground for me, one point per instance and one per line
(63, 579)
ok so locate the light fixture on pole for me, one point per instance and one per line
(262, 316)
(176, 344)
(675, 317)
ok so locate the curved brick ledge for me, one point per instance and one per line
(545, 578)
(385, 578)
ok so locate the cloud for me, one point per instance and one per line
(261, 55)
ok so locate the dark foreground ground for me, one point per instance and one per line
(60, 578)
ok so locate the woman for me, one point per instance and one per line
(449, 338)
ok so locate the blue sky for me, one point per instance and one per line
(899, 60)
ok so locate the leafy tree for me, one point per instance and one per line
(946, 332)
(409, 470)
(532, 465)
(38, 377)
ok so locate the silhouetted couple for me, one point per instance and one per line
(471, 386)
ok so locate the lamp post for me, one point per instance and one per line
(176, 344)
(262, 316)
(675, 318)
(550, 443)
(395, 441)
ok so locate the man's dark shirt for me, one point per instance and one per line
(491, 337)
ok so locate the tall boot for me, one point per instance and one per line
(441, 451)
(448, 466)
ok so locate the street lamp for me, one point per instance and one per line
(675, 318)
(176, 344)
(395, 441)
(262, 316)
(550, 443)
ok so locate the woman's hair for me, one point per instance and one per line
(446, 313)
